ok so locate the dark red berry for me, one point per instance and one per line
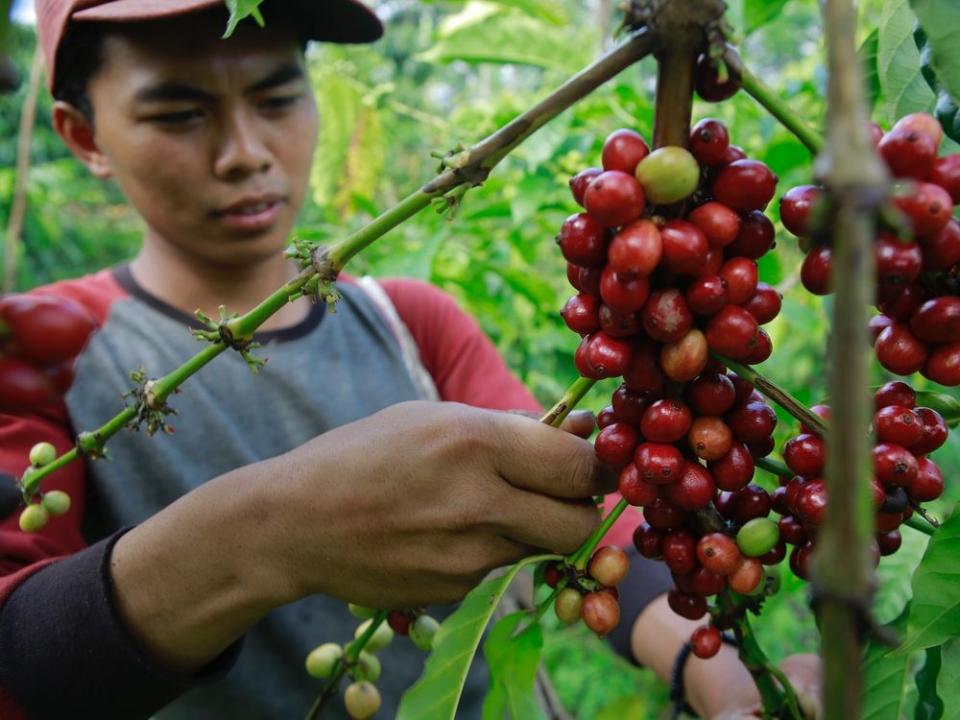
(708, 141)
(749, 503)
(579, 182)
(928, 207)
(584, 279)
(692, 607)
(898, 263)
(765, 304)
(666, 421)
(694, 489)
(877, 324)
(943, 364)
(734, 470)
(928, 484)
(937, 320)
(399, 622)
(615, 444)
(629, 405)
(805, 455)
(894, 464)
(706, 582)
(775, 555)
(680, 551)
(619, 325)
(900, 351)
(580, 314)
(815, 271)
(898, 425)
(623, 150)
(761, 448)
(895, 393)
(890, 521)
(710, 85)
(614, 198)
(934, 431)
(756, 236)
(752, 422)
(795, 207)
(610, 356)
(552, 574)
(648, 541)
(741, 276)
(658, 463)
(719, 224)
(812, 502)
(636, 249)
(663, 516)
(791, 530)
(623, 293)
(889, 542)
(733, 153)
(634, 489)
(706, 295)
(742, 387)
(581, 360)
(643, 373)
(899, 302)
(946, 174)
(706, 641)
(908, 154)
(800, 560)
(583, 241)
(719, 553)
(711, 394)
(23, 386)
(895, 501)
(666, 317)
(942, 250)
(684, 247)
(732, 332)
(745, 185)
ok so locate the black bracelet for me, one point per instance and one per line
(677, 692)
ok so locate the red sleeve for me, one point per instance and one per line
(464, 364)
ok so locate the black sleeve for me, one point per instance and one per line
(646, 581)
(65, 652)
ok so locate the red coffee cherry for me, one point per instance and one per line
(923, 123)
(742, 387)
(747, 577)
(581, 360)
(634, 489)
(900, 351)
(752, 422)
(946, 174)
(719, 553)
(795, 207)
(898, 425)
(800, 560)
(658, 463)
(899, 302)
(643, 373)
(895, 393)
(710, 85)
(623, 150)
(44, 329)
(812, 502)
(732, 332)
(706, 641)
(579, 182)
(710, 438)
(734, 470)
(684, 247)
(614, 198)
(399, 622)
(894, 464)
(608, 355)
(943, 365)
(680, 551)
(941, 251)
(908, 154)
(601, 612)
(580, 314)
(776, 555)
(686, 358)
(733, 153)
(619, 325)
(890, 521)
(666, 421)
(927, 206)
(706, 295)
(805, 455)
(552, 574)
(623, 293)
(706, 582)
(745, 185)
(609, 565)
(791, 530)
(648, 541)
(615, 444)
(928, 484)
(815, 271)
(583, 241)
(741, 276)
(606, 417)
(889, 542)
(762, 350)
(898, 263)
(934, 431)
(761, 448)
(765, 304)
(636, 249)
(717, 222)
(23, 386)
(708, 141)
(664, 516)
(584, 279)
(756, 236)
(692, 607)
(877, 324)
(666, 317)
(629, 405)
(749, 503)
(694, 489)
(711, 394)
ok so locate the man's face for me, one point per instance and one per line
(211, 140)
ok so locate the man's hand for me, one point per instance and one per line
(805, 675)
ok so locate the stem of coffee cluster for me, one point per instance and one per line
(567, 402)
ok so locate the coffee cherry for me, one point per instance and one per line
(775, 555)
(706, 582)
(580, 313)
(943, 365)
(663, 516)
(889, 542)
(41, 454)
(934, 431)
(908, 154)
(23, 386)
(805, 455)
(747, 577)
(732, 332)
(795, 208)
(894, 464)
(946, 174)
(708, 141)
(800, 560)
(692, 607)
(568, 606)
(717, 222)
(34, 518)
(745, 185)
(756, 236)
(619, 325)
(706, 295)
(381, 636)
(323, 659)
(579, 182)
(928, 207)
(582, 362)
(752, 422)
(601, 612)
(56, 502)
(923, 123)
(711, 394)
(710, 438)
(694, 489)
(895, 393)
(648, 541)
(710, 85)
(897, 424)
(614, 198)
(399, 622)
(685, 358)
(749, 503)
(634, 488)
(361, 612)
(636, 249)
(899, 302)
(895, 501)
(643, 372)
(706, 641)
(553, 574)
(658, 463)
(942, 250)
(367, 668)
(815, 271)
(898, 263)
(629, 405)
(900, 351)
(608, 355)
(765, 304)
(877, 324)
(740, 276)
(890, 521)
(668, 174)
(763, 349)
(734, 470)
(685, 247)
(791, 530)
(609, 565)
(623, 293)
(584, 279)
(47, 330)
(761, 448)
(583, 241)
(422, 632)
(666, 317)
(714, 262)
(623, 150)
(615, 444)
(362, 700)
(666, 421)
(928, 484)
(719, 553)
(758, 537)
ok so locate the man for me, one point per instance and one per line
(326, 478)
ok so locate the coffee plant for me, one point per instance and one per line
(663, 249)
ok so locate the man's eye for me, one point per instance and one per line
(281, 101)
(175, 118)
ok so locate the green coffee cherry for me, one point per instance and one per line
(362, 700)
(33, 518)
(568, 605)
(757, 537)
(367, 667)
(323, 659)
(360, 611)
(43, 453)
(380, 638)
(422, 631)
(57, 502)
(668, 175)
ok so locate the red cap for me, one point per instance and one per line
(341, 21)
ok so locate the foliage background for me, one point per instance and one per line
(449, 73)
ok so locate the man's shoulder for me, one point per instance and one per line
(96, 292)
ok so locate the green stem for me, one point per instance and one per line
(916, 523)
(245, 325)
(774, 466)
(780, 396)
(350, 656)
(580, 557)
(573, 395)
(781, 110)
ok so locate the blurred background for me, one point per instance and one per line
(452, 72)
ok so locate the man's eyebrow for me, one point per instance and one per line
(282, 75)
(172, 91)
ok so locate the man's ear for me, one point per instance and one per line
(76, 131)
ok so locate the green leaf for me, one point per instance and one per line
(436, 694)
(898, 62)
(758, 13)
(886, 678)
(929, 704)
(893, 576)
(948, 682)
(945, 404)
(935, 609)
(868, 58)
(513, 663)
(240, 9)
(940, 20)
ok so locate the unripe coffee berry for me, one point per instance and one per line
(362, 700)
(422, 632)
(706, 641)
(361, 612)
(601, 612)
(609, 565)
(34, 518)
(758, 537)
(57, 502)
(668, 174)
(367, 667)
(719, 553)
(43, 453)
(710, 438)
(322, 660)
(380, 638)
(568, 605)
(685, 358)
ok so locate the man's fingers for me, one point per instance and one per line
(580, 423)
(553, 525)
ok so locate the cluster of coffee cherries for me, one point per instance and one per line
(361, 698)
(664, 259)
(52, 502)
(592, 596)
(917, 276)
(903, 478)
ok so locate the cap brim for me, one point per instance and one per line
(342, 21)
